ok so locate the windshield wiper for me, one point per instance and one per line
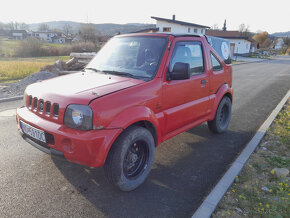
(93, 69)
(118, 73)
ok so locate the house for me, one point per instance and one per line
(164, 25)
(52, 37)
(18, 34)
(279, 44)
(239, 45)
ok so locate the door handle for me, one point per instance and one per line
(204, 81)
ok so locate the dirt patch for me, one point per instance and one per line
(18, 88)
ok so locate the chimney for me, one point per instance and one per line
(173, 17)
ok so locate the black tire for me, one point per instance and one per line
(222, 117)
(130, 158)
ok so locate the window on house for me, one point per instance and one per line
(216, 65)
(166, 29)
(191, 53)
(188, 30)
(195, 30)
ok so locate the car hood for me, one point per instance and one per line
(79, 88)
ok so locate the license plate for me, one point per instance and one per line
(33, 132)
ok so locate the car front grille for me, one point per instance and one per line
(41, 106)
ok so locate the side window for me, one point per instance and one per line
(166, 29)
(215, 63)
(191, 53)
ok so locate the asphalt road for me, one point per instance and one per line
(185, 170)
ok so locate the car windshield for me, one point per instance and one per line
(133, 56)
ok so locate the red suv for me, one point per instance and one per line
(138, 91)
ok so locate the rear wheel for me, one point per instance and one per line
(222, 117)
(130, 158)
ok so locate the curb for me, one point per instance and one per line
(211, 201)
(251, 62)
(11, 99)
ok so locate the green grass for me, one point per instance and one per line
(53, 45)
(12, 69)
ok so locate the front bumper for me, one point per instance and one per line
(88, 148)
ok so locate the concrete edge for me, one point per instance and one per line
(15, 98)
(211, 201)
(251, 62)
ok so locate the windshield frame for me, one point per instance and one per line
(166, 39)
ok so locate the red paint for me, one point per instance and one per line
(171, 107)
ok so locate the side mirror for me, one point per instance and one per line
(180, 71)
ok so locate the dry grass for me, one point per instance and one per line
(17, 68)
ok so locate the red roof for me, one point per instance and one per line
(221, 33)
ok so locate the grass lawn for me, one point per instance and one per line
(8, 46)
(257, 191)
(12, 69)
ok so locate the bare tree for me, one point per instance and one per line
(23, 26)
(12, 25)
(215, 26)
(43, 27)
(88, 32)
(67, 29)
(245, 30)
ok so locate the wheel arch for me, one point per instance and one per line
(224, 90)
(149, 126)
(141, 116)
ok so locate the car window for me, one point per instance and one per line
(191, 53)
(215, 63)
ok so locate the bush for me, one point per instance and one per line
(84, 47)
(31, 47)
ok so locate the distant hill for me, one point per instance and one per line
(281, 34)
(104, 28)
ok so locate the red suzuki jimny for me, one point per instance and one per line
(137, 92)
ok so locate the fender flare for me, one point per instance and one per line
(223, 90)
(130, 116)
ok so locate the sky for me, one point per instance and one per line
(259, 15)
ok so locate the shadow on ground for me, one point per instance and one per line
(176, 184)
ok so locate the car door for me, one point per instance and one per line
(186, 101)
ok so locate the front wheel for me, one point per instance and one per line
(222, 117)
(130, 158)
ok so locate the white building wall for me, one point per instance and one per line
(18, 36)
(178, 29)
(44, 36)
(242, 46)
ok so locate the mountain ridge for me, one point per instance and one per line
(281, 34)
(104, 28)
